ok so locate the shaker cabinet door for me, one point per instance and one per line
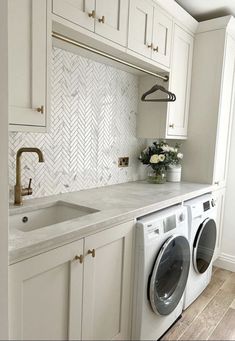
(29, 55)
(140, 27)
(180, 83)
(77, 11)
(112, 20)
(45, 295)
(107, 279)
(162, 36)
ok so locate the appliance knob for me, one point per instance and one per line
(213, 203)
(181, 217)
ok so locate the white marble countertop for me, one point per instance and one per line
(116, 204)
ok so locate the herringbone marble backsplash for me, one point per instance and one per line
(93, 122)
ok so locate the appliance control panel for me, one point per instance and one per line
(206, 206)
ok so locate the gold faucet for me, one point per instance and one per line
(19, 190)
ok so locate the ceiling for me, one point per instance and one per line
(208, 9)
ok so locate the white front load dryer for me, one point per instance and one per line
(202, 239)
(161, 271)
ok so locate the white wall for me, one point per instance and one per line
(3, 173)
(227, 258)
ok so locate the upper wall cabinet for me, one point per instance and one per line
(180, 83)
(169, 120)
(150, 31)
(109, 19)
(80, 12)
(112, 20)
(29, 55)
(140, 27)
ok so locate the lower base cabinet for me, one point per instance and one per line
(78, 291)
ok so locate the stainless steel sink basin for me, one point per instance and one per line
(47, 215)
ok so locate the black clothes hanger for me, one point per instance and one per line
(171, 97)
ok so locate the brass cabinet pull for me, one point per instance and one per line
(40, 109)
(155, 49)
(80, 258)
(172, 125)
(102, 19)
(92, 14)
(150, 46)
(216, 182)
(91, 252)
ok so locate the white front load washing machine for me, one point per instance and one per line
(161, 272)
(202, 239)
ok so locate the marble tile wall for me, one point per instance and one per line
(93, 122)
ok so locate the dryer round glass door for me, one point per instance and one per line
(204, 245)
(169, 275)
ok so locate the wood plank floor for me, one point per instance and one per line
(212, 315)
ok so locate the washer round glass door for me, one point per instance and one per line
(169, 276)
(204, 245)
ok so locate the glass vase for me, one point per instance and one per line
(157, 176)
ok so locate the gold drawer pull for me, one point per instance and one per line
(40, 109)
(91, 252)
(150, 46)
(92, 14)
(217, 183)
(80, 258)
(172, 125)
(155, 49)
(102, 19)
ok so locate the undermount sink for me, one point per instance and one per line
(51, 214)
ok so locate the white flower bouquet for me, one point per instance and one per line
(159, 157)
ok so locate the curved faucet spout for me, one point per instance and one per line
(30, 150)
(19, 191)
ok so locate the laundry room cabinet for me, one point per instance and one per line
(108, 19)
(180, 84)
(78, 291)
(29, 64)
(45, 295)
(212, 103)
(150, 31)
(169, 119)
(80, 12)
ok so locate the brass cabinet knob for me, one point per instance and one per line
(40, 109)
(92, 14)
(102, 19)
(155, 49)
(150, 46)
(80, 258)
(171, 125)
(91, 252)
(217, 183)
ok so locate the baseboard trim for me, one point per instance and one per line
(225, 261)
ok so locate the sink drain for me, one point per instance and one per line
(25, 219)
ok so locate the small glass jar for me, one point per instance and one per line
(157, 176)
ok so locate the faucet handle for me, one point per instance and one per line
(29, 189)
(30, 181)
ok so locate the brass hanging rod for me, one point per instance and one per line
(106, 55)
